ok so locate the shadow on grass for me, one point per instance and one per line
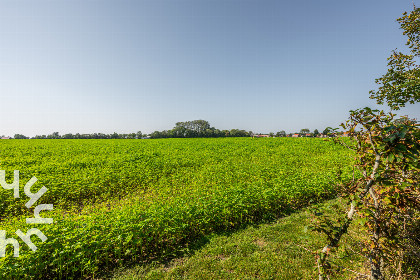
(190, 246)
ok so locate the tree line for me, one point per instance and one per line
(188, 129)
(56, 135)
(198, 129)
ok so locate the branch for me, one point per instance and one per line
(375, 199)
(334, 242)
(372, 143)
(372, 176)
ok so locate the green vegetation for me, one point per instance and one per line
(386, 197)
(122, 201)
(276, 250)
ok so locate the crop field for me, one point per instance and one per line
(127, 201)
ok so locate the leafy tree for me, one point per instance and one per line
(131, 136)
(385, 197)
(304, 131)
(196, 128)
(20, 136)
(68, 136)
(281, 133)
(316, 132)
(225, 133)
(54, 135)
(114, 135)
(238, 133)
(156, 134)
(401, 83)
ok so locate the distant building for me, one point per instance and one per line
(261, 135)
(296, 135)
(5, 138)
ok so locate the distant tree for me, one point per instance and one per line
(165, 134)
(196, 128)
(225, 133)
(218, 133)
(271, 134)
(115, 135)
(326, 131)
(20, 136)
(281, 133)
(304, 131)
(234, 133)
(68, 136)
(179, 132)
(316, 132)
(54, 135)
(139, 135)
(209, 132)
(155, 134)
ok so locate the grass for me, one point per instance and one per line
(277, 250)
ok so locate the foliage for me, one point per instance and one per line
(267, 251)
(188, 129)
(198, 128)
(56, 135)
(20, 136)
(154, 197)
(386, 198)
(304, 131)
(327, 131)
(401, 83)
(281, 133)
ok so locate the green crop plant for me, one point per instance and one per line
(122, 201)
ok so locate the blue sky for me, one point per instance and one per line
(104, 66)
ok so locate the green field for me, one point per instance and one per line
(118, 202)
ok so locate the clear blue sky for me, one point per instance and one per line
(104, 66)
